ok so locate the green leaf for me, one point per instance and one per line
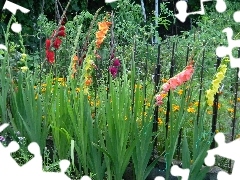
(185, 153)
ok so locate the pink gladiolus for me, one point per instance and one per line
(175, 81)
(166, 87)
(159, 99)
(116, 63)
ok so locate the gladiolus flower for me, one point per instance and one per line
(50, 56)
(57, 43)
(101, 33)
(175, 81)
(48, 42)
(113, 70)
(159, 99)
(116, 63)
(62, 33)
(62, 28)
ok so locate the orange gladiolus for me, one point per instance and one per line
(101, 33)
(88, 82)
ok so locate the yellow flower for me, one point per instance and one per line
(220, 75)
(180, 92)
(196, 103)
(216, 83)
(77, 89)
(164, 80)
(231, 110)
(98, 103)
(43, 89)
(176, 107)
(191, 110)
(24, 69)
(209, 112)
(216, 131)
(160, 122)
(24, 56)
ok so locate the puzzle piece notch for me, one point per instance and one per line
(12, 7)
(11, 170)
(176, 171)
(3, 126)
(182, 6)
(221, 6)
(236, 16)
(222, 51)
(110, 1)
(226, 150)
(159, 178)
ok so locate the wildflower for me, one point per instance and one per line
(231, 110)
(238, 99)
(180, 92)
(196, 103)
(209, 112)
(176, 108)
(77, 89)
(216, 131)
(164, 80)
(160, 122)
(191, 110)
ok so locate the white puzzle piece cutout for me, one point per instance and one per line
(9, 168)
(227, 150)
(12, 7)
(176, 171)
(182, 6)
(222, 51)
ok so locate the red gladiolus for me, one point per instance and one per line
(48, 43)
(50, 56)
(57, 43)
(62, 28)
(61, 33)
